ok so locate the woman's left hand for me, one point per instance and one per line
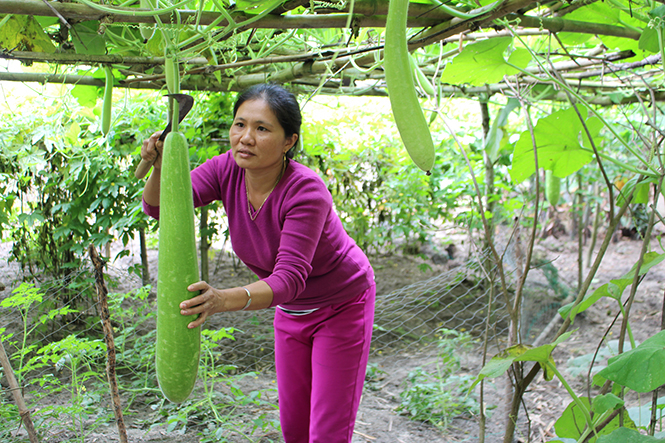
(208, 302)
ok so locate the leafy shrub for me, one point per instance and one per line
(437, 396)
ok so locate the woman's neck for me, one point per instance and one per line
(263, 182)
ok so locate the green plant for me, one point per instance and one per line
(219, 410)
(82, 357)
(134, 341)
(438, 396)
(588, 418)
(73, 185)
(383, 199)
(22, 300)
(374, 375)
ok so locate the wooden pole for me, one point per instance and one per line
(145, 270)
(23, 411)
(105, 317)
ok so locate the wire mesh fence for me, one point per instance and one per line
(54, 336)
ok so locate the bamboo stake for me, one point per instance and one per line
(23, 411)
(104, 315)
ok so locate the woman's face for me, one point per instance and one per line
(258, 141)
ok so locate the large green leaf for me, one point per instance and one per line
(600, 12)
(85, 95)
(625, 435)
(571, 424)
(640, 369)
(560, 138)
(606, 13)
(87, 40)
(483, 62)
(24, 33)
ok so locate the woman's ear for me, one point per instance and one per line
(290, 142)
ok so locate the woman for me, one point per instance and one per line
(284, 229)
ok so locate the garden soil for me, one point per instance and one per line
(378, 420)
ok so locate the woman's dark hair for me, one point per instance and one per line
(280, 101)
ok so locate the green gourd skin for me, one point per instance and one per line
(408, 113)
(171, 74)
(107, 105)
(552, 188)
(178, 347)
(422, 80)
(146, 30)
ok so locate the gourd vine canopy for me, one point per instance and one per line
(607, 52)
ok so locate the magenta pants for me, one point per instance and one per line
(321, 359)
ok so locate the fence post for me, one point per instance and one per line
(23, 411)
(104, 315)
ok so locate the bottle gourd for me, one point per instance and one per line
(408, 113)
(178, 347)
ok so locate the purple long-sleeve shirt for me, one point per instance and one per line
(296, 244)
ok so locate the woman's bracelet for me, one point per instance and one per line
(249, 299)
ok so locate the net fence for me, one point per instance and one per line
(54, 337)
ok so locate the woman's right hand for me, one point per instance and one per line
(151, 151)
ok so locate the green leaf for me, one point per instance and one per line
(658, 11)
(483, 62)
(156, 43)
(649, 40)
(650, 260)
(73, 134)
(572, 423)
(87, 40)
(85, 95)
(641, 193)
(588, 301)
(625, 435)
(604, 403)
(558, 150)
(640, 369)
(22, 297)
(500, 363)
(24, 33)
(596, 14)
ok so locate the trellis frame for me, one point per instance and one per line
(310, 70)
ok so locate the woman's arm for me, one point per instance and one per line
(151, 151)
(211, 301)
